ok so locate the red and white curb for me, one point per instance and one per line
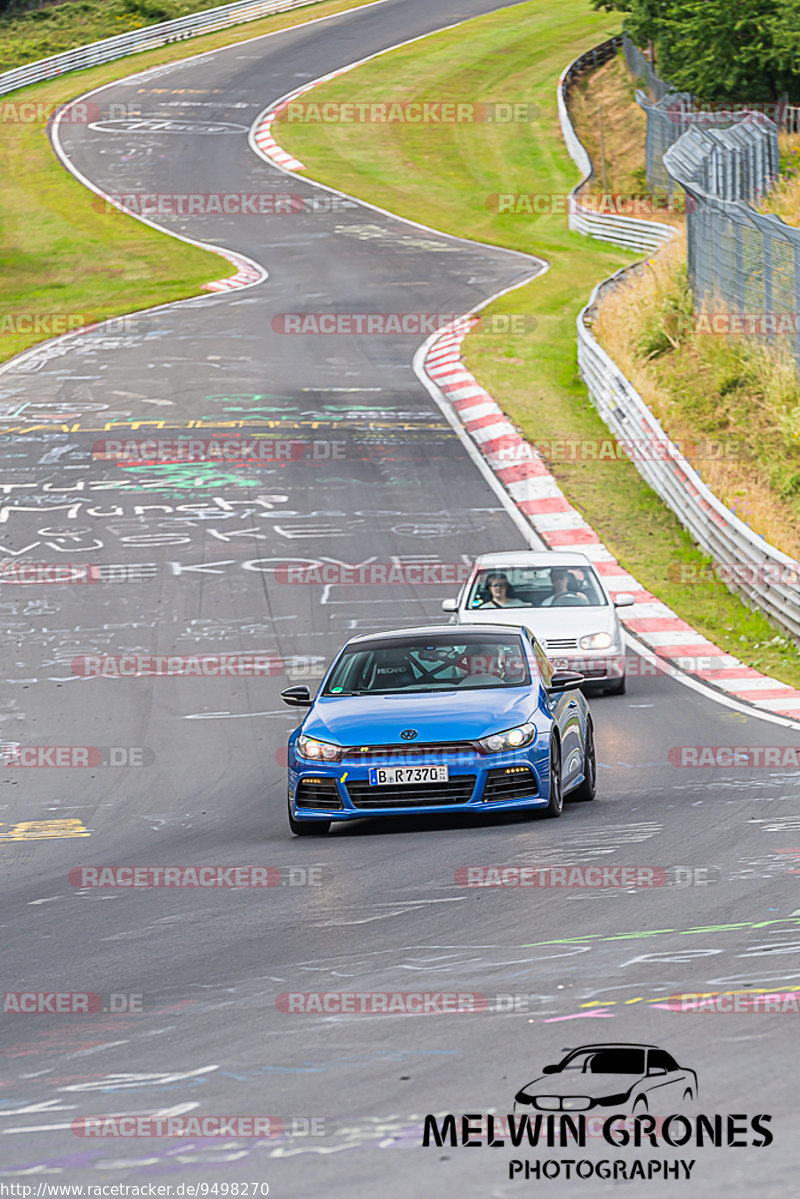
(261, 129)
(560, 526)
(248, 273)
(262, 136)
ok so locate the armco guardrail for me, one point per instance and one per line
(630, 232)
(715, 528)
(148, 38)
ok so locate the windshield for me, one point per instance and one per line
(607, 1061)
(430, 664)
(536, 587)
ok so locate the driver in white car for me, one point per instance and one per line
(560, 580)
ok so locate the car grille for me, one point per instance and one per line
(457, 790)
(566, 1103)
(362, 753)
(561, 643)
(317, 793)
(514, 782)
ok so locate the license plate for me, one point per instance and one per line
(381, 776)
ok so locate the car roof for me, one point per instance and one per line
(532, 558)
(613, 1045)
(426, 629)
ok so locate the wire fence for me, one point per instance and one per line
(641, 69)
(737, 159)
(743, 265)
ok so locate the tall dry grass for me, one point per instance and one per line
(706, 388)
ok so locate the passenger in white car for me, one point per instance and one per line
(501, 593)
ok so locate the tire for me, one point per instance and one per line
(640, 1106)
(307, 828)
(556, 804)
(616, 688)
(688, 1097)
(588, 788)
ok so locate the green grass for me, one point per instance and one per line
(441, 175)
(58, 253)
(25, 37)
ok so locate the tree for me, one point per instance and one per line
(722, 50)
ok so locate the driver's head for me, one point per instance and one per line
(497, 584)
(559, 578)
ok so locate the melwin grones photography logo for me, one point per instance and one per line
(629, 1096)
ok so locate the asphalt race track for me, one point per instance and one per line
(386, 913)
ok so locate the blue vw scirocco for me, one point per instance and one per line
(467, 718)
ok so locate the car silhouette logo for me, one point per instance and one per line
(408, 734)
(630, 1078)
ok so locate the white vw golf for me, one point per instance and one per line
(561, 599)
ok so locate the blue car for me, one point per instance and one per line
(467, 718)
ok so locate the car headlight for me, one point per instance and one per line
(596, 641)
(514, 738)
(318, 751)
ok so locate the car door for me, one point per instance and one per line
(664, 1091)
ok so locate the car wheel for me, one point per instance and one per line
(688, 1097)
(640, 1106)
(307, 828)
(556, 804)
(588, 788)
(616, 689)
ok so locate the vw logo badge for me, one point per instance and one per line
(408, 734)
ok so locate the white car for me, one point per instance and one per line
(561, 599)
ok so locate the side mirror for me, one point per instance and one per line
(624, 600)
(550, 1070)
(297, 697)
(656, 1070)
(565, 680)
(450, 605)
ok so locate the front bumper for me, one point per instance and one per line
(597, 666)
(478, 783)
